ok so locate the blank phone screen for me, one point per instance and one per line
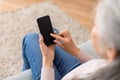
(45, 28)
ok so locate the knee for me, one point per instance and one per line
(30, 37)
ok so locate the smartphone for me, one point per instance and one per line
(45, 27)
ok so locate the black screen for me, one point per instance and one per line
(45, 28)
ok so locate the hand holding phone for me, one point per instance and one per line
(45, 28)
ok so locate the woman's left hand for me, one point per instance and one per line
(47, 53)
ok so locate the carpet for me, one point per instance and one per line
(16, 24)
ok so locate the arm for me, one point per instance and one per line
(69, 46)
(47, 72)
(82, 56)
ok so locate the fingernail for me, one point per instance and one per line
(51, 34)
(54, 40)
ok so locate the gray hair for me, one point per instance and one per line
(108, 22)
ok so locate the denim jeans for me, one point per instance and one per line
(63, 61)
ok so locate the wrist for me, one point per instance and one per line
(76, 51)
(47, 63)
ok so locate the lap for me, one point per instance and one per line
(63, 61)
(28, 72)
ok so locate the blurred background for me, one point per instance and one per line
(80, 10)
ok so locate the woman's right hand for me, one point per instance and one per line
(64, 40)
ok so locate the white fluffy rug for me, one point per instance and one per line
(16, 24)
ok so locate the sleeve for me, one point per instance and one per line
(84, 57)
(47, 74)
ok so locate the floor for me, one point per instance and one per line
(80, 10)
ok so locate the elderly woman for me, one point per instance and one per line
(67, 62)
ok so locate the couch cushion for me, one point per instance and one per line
(88, 47)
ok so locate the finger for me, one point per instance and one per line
(58, 37)
(55, 32)
(41, 38)
(64, 33)
(58, 43)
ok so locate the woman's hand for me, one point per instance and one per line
(47, 53)
(64, 40)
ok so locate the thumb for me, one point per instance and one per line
(41, 40)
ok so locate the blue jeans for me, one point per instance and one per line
(63, 61)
